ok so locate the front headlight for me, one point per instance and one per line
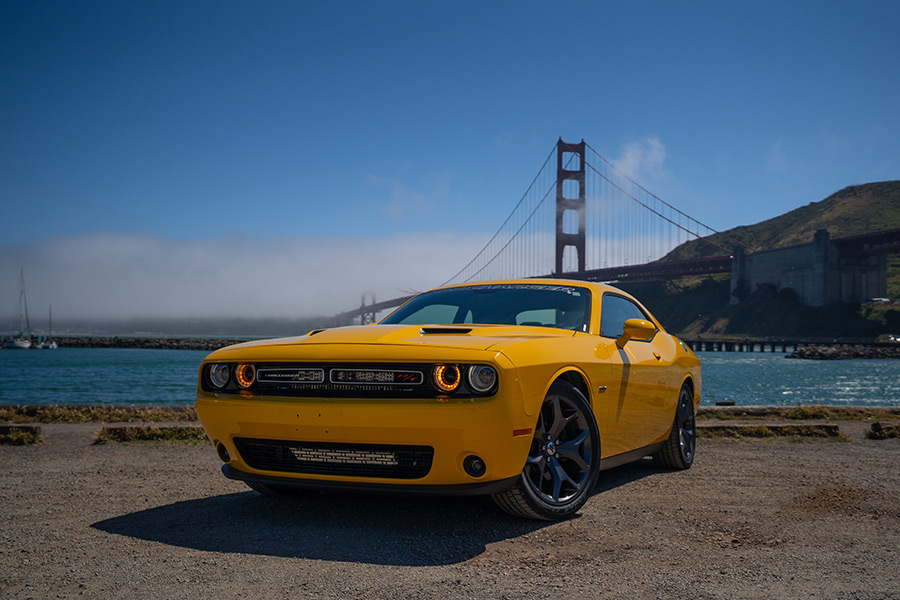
(482, 378)
(218, 375)
(244, 375)
(446, 378)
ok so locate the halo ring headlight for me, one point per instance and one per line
(482, 378)
(219, 375)
(245, 374)
(446, 378)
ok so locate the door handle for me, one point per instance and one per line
(657, 356)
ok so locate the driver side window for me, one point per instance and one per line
(614, 311)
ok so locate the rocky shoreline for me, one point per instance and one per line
(844, 352)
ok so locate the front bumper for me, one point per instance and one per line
(495, 429)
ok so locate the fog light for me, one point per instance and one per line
(223, 452)
(474, 466)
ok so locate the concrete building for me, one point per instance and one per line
(817, 272)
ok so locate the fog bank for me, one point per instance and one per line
(106, 276)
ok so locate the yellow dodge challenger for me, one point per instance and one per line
(524, 390)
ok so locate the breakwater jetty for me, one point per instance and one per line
(155, 343)
(845, 352)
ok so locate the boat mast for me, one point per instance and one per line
(24, 324)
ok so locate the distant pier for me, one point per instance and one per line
(759, 345)
(846, 348)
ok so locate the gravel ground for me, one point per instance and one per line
(751, 519)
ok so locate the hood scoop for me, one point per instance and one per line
(445, 330)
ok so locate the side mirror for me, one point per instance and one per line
(638, 329)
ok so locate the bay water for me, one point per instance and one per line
(139, 376)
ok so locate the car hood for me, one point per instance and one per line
(471, 337)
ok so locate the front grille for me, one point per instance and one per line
(359, 460)
(339, 380)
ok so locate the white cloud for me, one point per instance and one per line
(405, 201)
(643, 159)
(100, 276)
(776, 162)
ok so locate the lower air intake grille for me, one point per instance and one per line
(360, 460)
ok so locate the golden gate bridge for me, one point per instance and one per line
(584, 217)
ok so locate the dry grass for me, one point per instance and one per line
(801, 412)
(17, 435)
(150, 433)
(74, 413)
(883, 432)
(767, 431)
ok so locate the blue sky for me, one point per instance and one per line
(374, 146)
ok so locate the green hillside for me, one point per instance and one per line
(854, 210)
(700, 305)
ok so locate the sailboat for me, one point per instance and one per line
(21, 341)
(49, 343)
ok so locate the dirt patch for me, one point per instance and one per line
(762, 518)
(831, 497)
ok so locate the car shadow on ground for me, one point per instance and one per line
(343, 527)
(627, 473)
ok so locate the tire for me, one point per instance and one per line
(564, 460)
(679, 450)
(274, 490)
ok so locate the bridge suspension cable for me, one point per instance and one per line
(625, 224)
(500, 240)
(681, 215)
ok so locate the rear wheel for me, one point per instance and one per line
(564, 461)
(678, 451)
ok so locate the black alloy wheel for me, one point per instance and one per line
(678, 451)
(564, 461)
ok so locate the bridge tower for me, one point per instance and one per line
(570, 208)
(367, 315)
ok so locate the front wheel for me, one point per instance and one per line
(564, 461)
(678, 451)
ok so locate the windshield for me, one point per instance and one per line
(539, 305)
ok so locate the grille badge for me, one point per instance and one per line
(290, 375)
(376, 376)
